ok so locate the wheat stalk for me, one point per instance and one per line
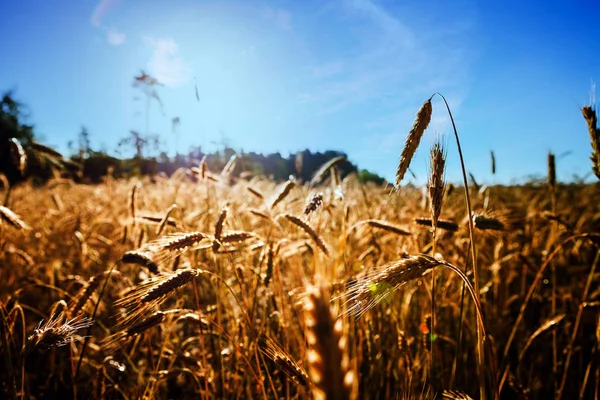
(167, 247)
(165, 220)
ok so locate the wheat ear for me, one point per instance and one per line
(287, 188)
(370, 289)
(488, 223)
(8, 216)
(441, 224)
(592, 122)
(306, 228)
(436, 183)
(149, 294)
(283, 361)
(551, 173)
(328, 362)
(414, 138)
(324, 168)
(54, 333)
(19, 155)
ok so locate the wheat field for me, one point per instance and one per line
(207, 285)
(238, 292)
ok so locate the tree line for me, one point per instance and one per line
(22, 157)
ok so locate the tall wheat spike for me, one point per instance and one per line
(436, 183)
(414, 138)
(592, 122)
(551, 172)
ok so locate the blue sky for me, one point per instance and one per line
(287, 75)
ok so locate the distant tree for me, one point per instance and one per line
(20, 155)
(12, 126)
(84, 143)
(137, 141)
(365, 176)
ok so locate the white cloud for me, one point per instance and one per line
(390, 25)
(165, 65)
(391, 61)
(100, 11)
(115, 37)
(282, 18)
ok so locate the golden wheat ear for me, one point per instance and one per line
(9, 217)
(166, 248)
(592, 122)
(309, 231)
(414, 138)
(283, 193)
(455, 395)
(320, 173)
(112, 342)
(283, 361)
(329, 365)
(148, 295)
(436, 183)
(55, 332)
(370, 289)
